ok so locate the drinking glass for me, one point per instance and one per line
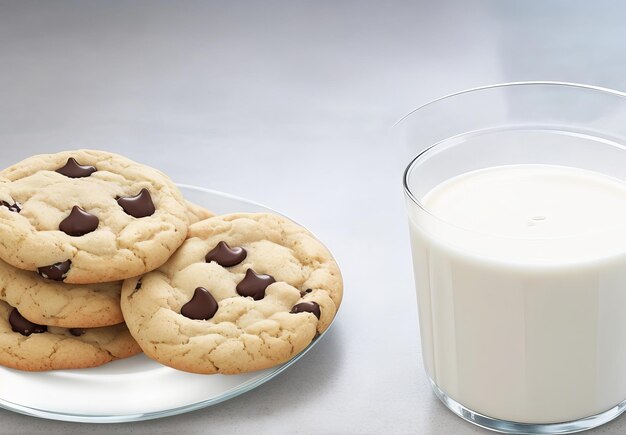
(509, 341)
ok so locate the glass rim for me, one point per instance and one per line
(407, 190)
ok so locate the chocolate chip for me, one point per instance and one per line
(15, 208)
(55, 272)
(307, 307)
(254, 285)
(77, 332)
(302, 293)
(79, 222)
(24, 326)
(226, 256)
(202, 305)
(73, 170)
(138, 285)
(138, 206)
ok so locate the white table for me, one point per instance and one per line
(290, 103)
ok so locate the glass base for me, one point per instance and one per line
(504, 426)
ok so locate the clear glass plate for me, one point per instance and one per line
(136, 388)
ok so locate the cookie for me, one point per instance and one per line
(69, 306)
(244, 292)
(88, 216)
(28, 346)
(195, 213)
(58, 304)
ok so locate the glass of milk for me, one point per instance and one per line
(517, 213)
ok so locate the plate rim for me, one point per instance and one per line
(128, 418)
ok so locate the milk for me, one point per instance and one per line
(521, 283)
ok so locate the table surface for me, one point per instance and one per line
(290, 104)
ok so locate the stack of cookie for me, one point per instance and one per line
(102, 258)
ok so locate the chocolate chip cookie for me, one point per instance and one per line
(58, 304)
(25, 345)
(244, 292)
(88, 216)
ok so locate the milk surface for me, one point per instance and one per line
(521, 284)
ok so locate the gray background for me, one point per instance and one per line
(290, 103)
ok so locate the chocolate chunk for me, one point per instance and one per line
(254, 284)
(226, 256)
(138, 206)
(15, 208)
(73, 170)
(202, 305)
(24, 326)
(55, 272)
(79, 222)
(307, 307)
(77, 332)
